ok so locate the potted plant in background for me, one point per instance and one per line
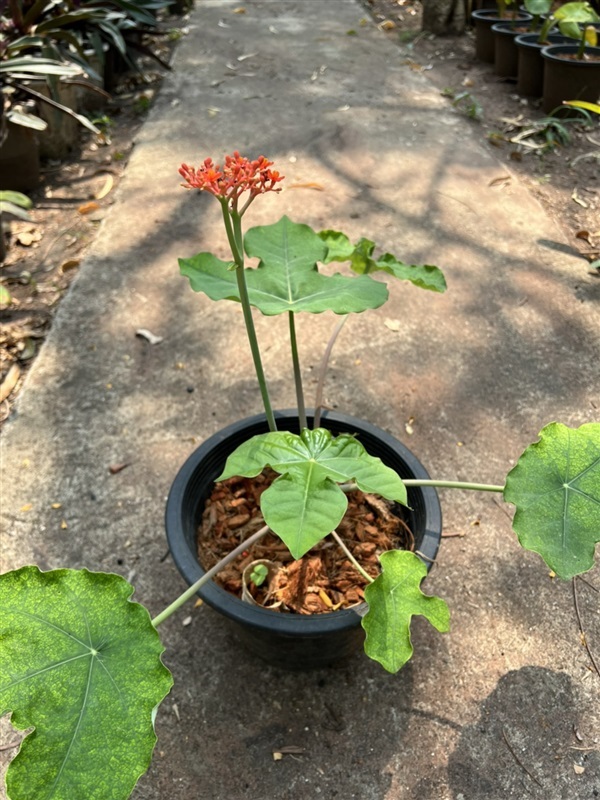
(484, 18)
(572, 71)
(63, 54)
(66, 668)
(558, 27)
(506, 55)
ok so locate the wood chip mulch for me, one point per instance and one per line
(324, 580)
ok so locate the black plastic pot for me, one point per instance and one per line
(485, 46)
(530, 71)
(506, 55)
(568, 78)
(19, 159)
(290, 641)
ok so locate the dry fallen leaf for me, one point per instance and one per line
(108, 184)
(69, 265)
(10, 381)
(586, 236)
(317, 186)
(503, 180)
(575, 197)
(144, 333)
(87, 208)
(115, 468)
(392, 324)
(27, 238)
(291, 750)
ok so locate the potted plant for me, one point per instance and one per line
(68, 636)
(557, 28)
(572, 71)
(506, 54)
(484, 18)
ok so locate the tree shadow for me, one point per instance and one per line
(532, 739)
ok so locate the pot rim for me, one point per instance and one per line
(254, 616)
(506, 28)
(527, 40)
(552, 51)
(487, 14)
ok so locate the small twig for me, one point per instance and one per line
(583, 636)
(323, 369)
(518, 760)
(422, 555)
(502, 508)
(585, 749)
(587, 583)
(351, 557)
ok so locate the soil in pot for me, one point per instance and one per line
(567, 77)
(324, 580)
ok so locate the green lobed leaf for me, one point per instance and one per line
(394, 598)
(361, 259)
(426, 276)
(555, 487)
(287, 278)
(538, 7)
(576, 12)
(339, 247)
(81, 664)
(305, 503)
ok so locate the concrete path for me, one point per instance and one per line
(506, 705)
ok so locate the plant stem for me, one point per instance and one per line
(351, 557)
(297, 373)
(233, 227)
(183, 598)
(323, 369)
(476, 487)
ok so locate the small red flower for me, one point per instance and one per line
(238, 175)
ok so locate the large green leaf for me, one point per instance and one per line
(361, 260)
(394, 598)
(287, 277)
(81, 664)
(555, 487)
(305, 504)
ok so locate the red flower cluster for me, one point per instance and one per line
(238, 175)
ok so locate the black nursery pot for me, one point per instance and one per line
(568, 78)
(530, 75)
(485, 45)
(289, 641)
